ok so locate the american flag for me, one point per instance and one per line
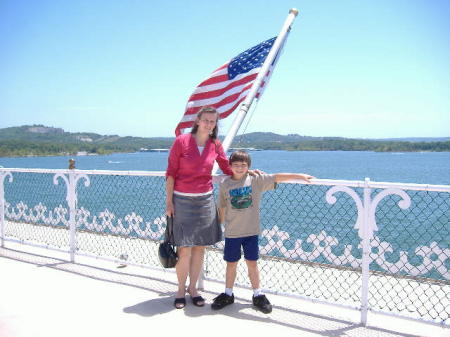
(228, 85)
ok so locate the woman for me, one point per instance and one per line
(190, 200)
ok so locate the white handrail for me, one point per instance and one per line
(217, 178)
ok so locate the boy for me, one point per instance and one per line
(239, 198)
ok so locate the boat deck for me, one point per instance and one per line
(48, 296)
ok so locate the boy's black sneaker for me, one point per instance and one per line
(222, 301)
(262, 303)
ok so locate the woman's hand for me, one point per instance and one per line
(256, 172)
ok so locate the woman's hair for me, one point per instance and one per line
(242, 156)
(209, 110)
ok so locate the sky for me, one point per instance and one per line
(350, 68)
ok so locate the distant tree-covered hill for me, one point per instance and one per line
(293, 142)
(42, 140)
(36, 140)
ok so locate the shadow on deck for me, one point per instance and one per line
(48, 296)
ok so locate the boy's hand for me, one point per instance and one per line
(221, 215)
(307, 178)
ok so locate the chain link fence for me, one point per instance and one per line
(127, 215)
(298, 232)
(312, 242)
(410, 256)
(36, 210)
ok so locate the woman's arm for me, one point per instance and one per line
(222, 159)
(171, 173)
(169, 195)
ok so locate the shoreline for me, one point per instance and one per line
(288, 150)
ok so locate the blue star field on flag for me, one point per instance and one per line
(249, 59)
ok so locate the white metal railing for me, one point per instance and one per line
(120, 217)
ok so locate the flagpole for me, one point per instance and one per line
(245, 106)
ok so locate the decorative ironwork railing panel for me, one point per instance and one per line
(368, 245)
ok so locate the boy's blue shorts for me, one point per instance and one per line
(232, 251)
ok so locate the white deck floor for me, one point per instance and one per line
(48, 297)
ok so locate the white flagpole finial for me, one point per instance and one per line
(293, 11)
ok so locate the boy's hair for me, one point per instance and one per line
(240, 155)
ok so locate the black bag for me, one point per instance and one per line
(167, 250)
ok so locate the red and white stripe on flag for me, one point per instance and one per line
(228, 85)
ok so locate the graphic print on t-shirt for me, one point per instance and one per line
(241, 197)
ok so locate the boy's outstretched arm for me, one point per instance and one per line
(279, 177)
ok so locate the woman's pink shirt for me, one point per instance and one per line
(192, 170)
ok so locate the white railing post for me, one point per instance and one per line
(72, 203)
(365, 252)
(3, 175)
(71, 181)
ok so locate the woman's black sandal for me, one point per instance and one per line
(179, 303)
(198, 301)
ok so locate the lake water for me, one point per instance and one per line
(410, 167)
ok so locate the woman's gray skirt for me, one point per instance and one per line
(195, 222)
